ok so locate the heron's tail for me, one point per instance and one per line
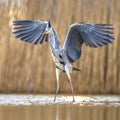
(76, 69)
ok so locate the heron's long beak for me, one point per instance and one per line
(76, 69)
(46, 32)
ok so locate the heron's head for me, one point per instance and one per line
(47, 29)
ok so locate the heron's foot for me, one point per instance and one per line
(73, 100)
(54, 98)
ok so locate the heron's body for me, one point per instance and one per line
(38, 32)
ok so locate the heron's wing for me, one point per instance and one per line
(31, 31)
(93, 35)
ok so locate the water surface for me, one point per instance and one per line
(42, 107)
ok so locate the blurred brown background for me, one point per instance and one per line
(28, 68)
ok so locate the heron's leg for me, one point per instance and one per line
(57, 78)
(68, 74)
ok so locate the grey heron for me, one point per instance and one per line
(40, 31)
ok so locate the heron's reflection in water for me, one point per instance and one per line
(59, 112)
(78, 112)
(69, 114)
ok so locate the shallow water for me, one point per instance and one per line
(42, 107)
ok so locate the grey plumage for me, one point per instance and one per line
(93, 35)
(39, 31)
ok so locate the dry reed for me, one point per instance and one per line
(29, 68)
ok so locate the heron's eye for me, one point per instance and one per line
(60, 56)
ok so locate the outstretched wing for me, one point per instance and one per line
(93, 35)
(31, 31)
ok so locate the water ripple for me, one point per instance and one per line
(61, 99)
